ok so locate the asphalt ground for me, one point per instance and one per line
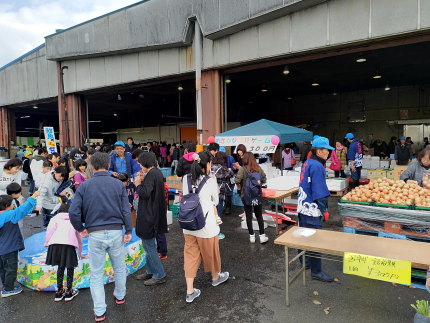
(255, 292)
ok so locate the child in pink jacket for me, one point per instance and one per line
(62, 240)
(80, 176)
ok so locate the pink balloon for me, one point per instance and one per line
(211, 139)
(275, 140)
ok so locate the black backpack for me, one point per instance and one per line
(252, 192)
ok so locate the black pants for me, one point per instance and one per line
(161, 243)
(258, 210)
(342, 173)
(60, 277)
(8, 270)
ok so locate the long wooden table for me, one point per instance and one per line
(337, 243)
(278, 198)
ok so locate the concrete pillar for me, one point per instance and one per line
(211, 103)
(72, 117)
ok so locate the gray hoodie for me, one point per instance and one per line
(414, 172)
(47, 198)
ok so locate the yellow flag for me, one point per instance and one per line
(390, 270)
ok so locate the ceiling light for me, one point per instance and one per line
(314, 83)
(377, 75)
(334, 93)
(286, 70)
(264, 89)
(141, 96)
(180, 88)
(227, 79)
(115, 115)
(361, 60)
(25, 117)
(35, 107)
(119, 97)
(387, 87)
(289, 98)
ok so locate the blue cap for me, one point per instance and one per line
(222, 149)
(349, 135)
(402, 138)
(321, 142)
(119, 143)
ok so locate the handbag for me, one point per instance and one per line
(293, 160)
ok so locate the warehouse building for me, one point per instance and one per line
(187, 69)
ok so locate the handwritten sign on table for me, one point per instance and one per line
(395, 271)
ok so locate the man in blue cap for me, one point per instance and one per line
(122, 162)
(403, 154)
(313, 192)
(355, 158)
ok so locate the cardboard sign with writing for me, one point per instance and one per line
(395, 271)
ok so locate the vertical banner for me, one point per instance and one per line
(50, 139)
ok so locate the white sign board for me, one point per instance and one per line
(50, 140)
(253, 144)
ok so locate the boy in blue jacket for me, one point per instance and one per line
(11, 241)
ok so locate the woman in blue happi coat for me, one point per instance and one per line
(313, 193)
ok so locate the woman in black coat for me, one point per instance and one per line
(151, 216)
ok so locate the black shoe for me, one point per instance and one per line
(59, 295)
(144, 276)
(323, 277)
(70, 295)
(155, 281)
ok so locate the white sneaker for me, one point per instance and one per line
(263, 238)
(252, 238)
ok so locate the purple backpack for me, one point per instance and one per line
(191, 215)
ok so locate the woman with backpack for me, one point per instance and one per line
(249, 180)
(201, 241)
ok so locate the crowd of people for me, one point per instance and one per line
(67, 191)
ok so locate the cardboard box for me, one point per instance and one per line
(397, 171)
(376, 173)
(169, 217)
(174, 182)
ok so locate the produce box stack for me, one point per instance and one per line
(174, 182)
(396, 172)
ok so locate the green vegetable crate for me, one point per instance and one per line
(175, 209)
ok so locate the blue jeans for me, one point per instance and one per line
(310, 222)
(47, 216)
(32, 186)
(110, 241)
(356, 176)
(153, 262)
(220, 207)
(161, 243)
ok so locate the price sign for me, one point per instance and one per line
(395, 271)
(253, 144)
(50, 139)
